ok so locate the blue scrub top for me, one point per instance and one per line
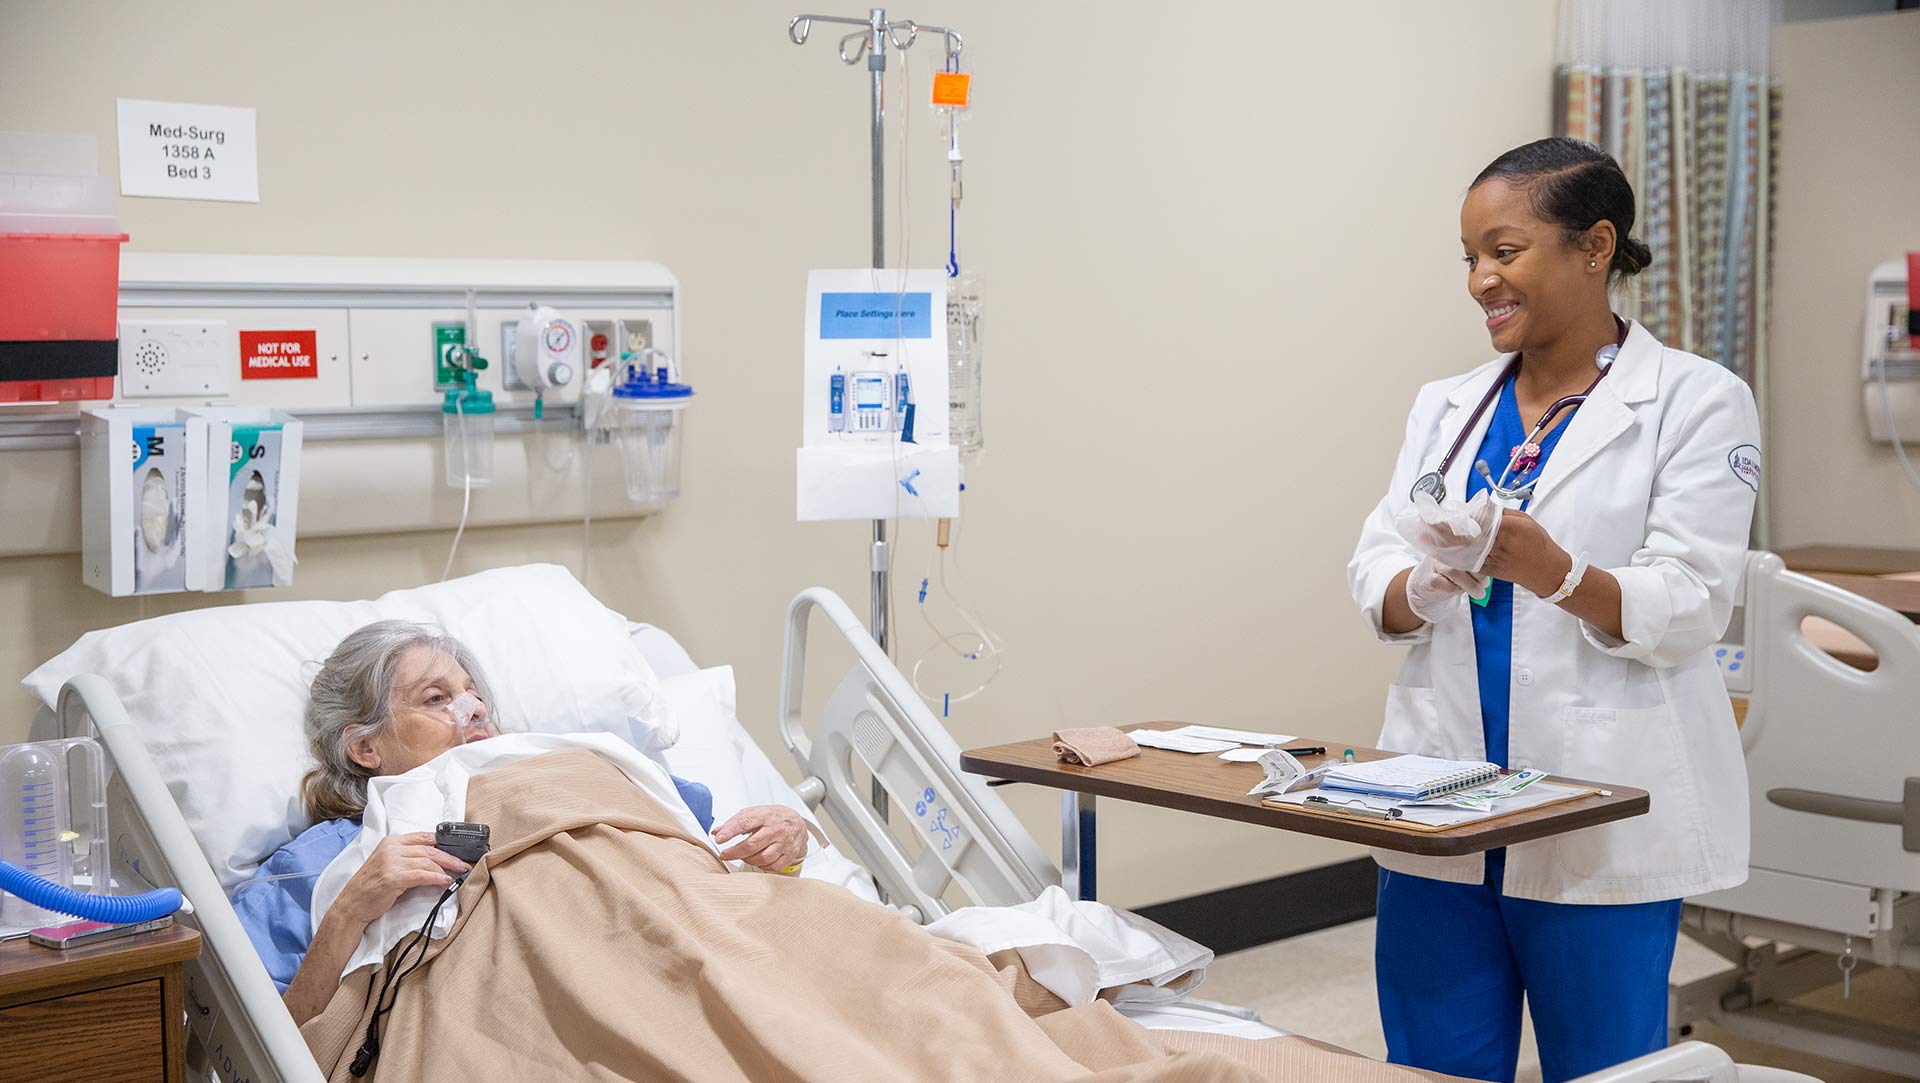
(1493, 622)
(275, 906)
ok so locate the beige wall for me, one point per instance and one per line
(1260, 197)
(1849, 199)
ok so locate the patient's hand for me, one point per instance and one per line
(397, 865)
(779, 837)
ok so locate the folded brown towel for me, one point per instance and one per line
(1093, 745)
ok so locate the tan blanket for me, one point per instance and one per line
(598, 942)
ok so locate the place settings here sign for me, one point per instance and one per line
(178, 151)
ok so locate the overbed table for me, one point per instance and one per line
(1210, 786)
(1888, 576)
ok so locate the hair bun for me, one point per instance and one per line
(1631, 257)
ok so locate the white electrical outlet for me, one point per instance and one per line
(175, 358)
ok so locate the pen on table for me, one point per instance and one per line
(1305, 750)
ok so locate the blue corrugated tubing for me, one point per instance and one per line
(114, 909)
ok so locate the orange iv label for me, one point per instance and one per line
(950, 88)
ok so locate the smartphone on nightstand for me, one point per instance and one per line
(78, 933)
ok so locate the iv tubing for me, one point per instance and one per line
(586, 516)
(114, 909)
(1893, 428)
(986, 644)
(466, 486)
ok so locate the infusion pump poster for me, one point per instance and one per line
(874, 404)
(179, 151)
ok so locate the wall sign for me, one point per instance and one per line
(278, 355)
(179, 151)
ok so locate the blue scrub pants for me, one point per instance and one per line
(1453, 960)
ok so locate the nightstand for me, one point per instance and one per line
(109, 1011)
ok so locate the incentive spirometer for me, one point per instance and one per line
(54, 854)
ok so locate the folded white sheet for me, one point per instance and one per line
(436, 791)
(1201, 1015)
(1076, 948)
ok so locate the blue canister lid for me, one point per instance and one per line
(654, 385)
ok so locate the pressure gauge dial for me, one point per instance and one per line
(547, 350)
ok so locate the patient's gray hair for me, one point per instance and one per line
(353, 694)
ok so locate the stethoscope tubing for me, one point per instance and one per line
(1513, 366)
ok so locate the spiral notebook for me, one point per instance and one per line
(1414, 778)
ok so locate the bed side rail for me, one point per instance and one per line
(965, 834)
(1830, 749)
(233, 1010)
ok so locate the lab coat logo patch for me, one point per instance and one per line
(1745, 463)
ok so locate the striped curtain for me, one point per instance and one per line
(1681, 93)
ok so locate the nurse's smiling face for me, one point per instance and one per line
(1523, 272)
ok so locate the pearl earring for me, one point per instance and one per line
(1593, 263)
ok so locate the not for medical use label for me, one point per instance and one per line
(179, 151)
(278, 355)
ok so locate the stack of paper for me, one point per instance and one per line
(1515, 793)
(1205, 739)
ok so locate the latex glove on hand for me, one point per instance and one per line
(1433, 589)
(1457, 535)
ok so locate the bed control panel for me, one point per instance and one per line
(1736, 667)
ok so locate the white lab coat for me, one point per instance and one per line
(1655, 478)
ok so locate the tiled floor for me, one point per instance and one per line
(1321, 985)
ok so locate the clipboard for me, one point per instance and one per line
(1475, 818)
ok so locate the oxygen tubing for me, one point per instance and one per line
(114, 909)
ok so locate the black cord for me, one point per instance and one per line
(370, 1047)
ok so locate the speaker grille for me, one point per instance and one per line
(150, 357)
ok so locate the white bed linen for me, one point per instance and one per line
(436, 791)
(715, 751)
(1076, 948)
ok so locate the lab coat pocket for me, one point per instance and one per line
(1642, 749)
(1413, 722)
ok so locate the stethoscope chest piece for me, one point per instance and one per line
(1431, 483)
(1526, 455)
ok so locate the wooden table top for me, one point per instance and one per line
(25, 966)
(1851, 559)
(1900, 594)
(1208, 785)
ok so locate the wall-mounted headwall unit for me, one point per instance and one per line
(356, 348)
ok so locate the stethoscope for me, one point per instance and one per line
(1527, 454)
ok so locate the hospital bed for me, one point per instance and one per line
(1833, 767)
(947, 835)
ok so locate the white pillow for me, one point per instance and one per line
(663, 652)
(219, 695)
(715, 751)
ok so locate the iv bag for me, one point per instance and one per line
(963, 363)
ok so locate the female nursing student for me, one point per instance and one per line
(1610, 582)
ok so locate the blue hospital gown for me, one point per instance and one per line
(275, 906)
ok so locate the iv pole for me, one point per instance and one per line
(872, 40)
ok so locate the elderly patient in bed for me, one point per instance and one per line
(392, 696)
(604, 938)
